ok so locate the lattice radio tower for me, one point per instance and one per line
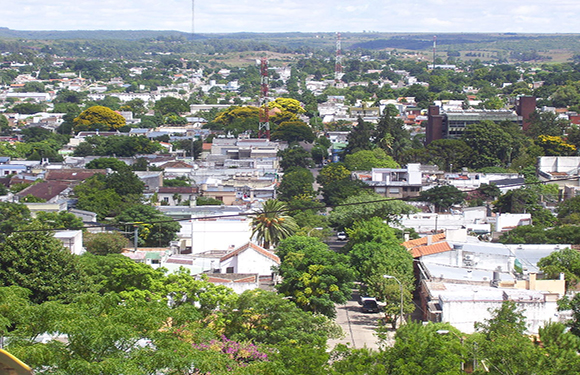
(338, 60)
(264, 126)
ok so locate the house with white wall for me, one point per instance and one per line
(249, 258)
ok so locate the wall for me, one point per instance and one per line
(215, 235)
(249, 261)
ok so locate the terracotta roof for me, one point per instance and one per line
(72, 174)
(45, 190)
(254, 247)
(440, 247)
(206, 146)
(424, 240)
(176, 164)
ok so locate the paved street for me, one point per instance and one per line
(359, 327)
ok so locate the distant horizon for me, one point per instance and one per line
(269, 16)
(433, 33)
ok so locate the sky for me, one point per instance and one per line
(225, 16)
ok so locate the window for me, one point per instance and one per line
(230, 270)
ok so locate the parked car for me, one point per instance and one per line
(370, 305)
(341, 236)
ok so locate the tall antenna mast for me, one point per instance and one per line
(264, 126)
(434, 50)
(338, 60)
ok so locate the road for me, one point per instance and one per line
(359, 328)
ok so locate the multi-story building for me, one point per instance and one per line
(451, 124)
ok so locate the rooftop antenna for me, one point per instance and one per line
(338, 60)
(264, 126)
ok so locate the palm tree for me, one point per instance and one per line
(270, 225)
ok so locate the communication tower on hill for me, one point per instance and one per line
(434, 50)
(264, 126)
(338, 60)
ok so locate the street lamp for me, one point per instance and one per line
(401, 287)
(310, 231)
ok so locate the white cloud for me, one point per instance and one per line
(295, 15)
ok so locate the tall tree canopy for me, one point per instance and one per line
(314, 276)
(98, 118)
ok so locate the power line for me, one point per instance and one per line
(254, 213)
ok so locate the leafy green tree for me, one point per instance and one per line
(98, 118)
(525, 199)
(319, 154)
(546, 123)
(105, 243)
(12, 217)
(179, 182)
(503, 344)
(443, 197)
(297, 182)
(293, 131)
(337, 184)
(28, 108)
(420, 349)
(295, 156)
(104, 202)
(566, 261)
(449, 154)
(189, 147)
(391, 135)
(365, 160)
(314, 276)
(121, 146)
(271, 224)
(104, 163)
(490, 142)
(237, 120)
(208, 201)
(375, 251)
(560, 349)
(125, 183)
(569, 211)
(155, 228)
(359, 138)
(59, 220)
(35, 260)
(268, 318)
(170, 105)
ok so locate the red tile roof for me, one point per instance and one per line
(254, 247)
(72, 174)
(440, 247)
(424, 240)
(45, 190)
(176, 164)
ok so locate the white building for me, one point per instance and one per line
(249, 258)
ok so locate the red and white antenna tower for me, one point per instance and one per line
(338, 61)
(264, 126)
